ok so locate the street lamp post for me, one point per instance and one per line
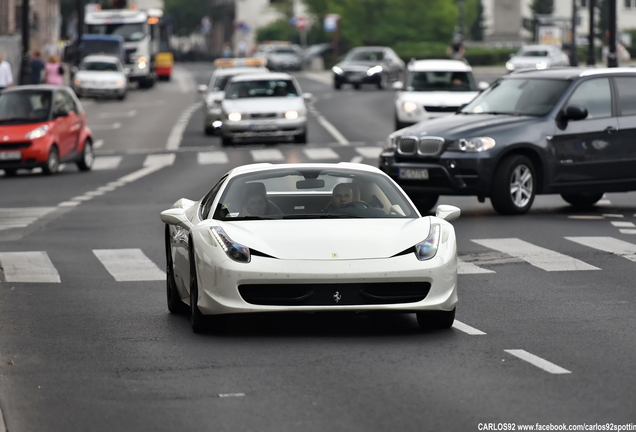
(612, 60)
(80, 29)
(574, 60)
(591, 59)
(25, 65)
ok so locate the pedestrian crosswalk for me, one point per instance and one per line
(133, 265)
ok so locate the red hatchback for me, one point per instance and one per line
(43, 126)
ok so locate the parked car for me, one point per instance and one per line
(568, 131)
(269, 238)
(268, 105)
(283, 58)
(214, 92)
(43, 126)
(101, 76)
(434, 88)
(537, 57)
(368, 65)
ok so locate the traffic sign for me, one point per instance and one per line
(301, 22)
(331, 22)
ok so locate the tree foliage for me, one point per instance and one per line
(388, 22)
(187, 14)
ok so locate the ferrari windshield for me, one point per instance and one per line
(440, 81)
(261, 88)
(516, 96)
(312, 193)
(26, 106)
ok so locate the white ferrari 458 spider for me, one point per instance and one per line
(309, 237)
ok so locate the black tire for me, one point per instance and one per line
(514, 185)
(10, 172)
(337, 85)
(226, 141)
(85, 163)
(122, 96)
(301, 138)
(425, 203)
(582, 200)
(175, 305)
(356, 86)
(436, 319)
(53, 162)
(209, 130)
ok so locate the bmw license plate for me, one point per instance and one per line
(413, 174)
(262, 126)
(12, 155)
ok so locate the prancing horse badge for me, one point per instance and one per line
(337, 297)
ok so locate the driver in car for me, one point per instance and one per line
(342, 194)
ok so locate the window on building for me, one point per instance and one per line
(628, 4)
(583, 3)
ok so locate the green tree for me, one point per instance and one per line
(540, 7)
(187, 14)
(477, 27)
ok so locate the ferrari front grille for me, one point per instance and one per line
(334, 294)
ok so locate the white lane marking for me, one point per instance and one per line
(183, 79)
(127, 265)
(332, 130)
(543, 258)
(464, 267)
(320, 77)
(2, 428)
(225, 395)
(106, 162)
(130, 113)
(215, 157)
(623, 224)
(584, 217)
(21, 217)
(159, 159)
(611, 215)
(357, 159)
(608, 244)
(537, 361)
(176, 134)
(369, 152)
(467, 329)
(628, 231)
(28, 267)
(604, 202)
(98, 144)
(265, 155)
(68, 204)
(321, 154)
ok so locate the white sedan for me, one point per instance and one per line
(309, 237)
(101, 76)
(537, 57)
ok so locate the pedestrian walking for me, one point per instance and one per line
(54, 71)
(6, 75)
(37, 66)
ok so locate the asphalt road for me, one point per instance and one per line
(546, 314)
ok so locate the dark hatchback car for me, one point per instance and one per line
(368, 65)
(567, 131)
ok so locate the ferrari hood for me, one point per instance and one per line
(329, 239)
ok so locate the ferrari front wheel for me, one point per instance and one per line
(200, 323)
(175, 305)
(436, 319)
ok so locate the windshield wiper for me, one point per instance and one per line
(500, 113)
(319, 216)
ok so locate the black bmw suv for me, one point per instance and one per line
(568, 131)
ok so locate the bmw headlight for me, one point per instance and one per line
(374, 70)
(391, 142)
(427, 249)
(337, 70)
(472, 145)
(37, 133)
(409, 106)
(291, 115)
(235, 251)
(234, 116)
(510, 66)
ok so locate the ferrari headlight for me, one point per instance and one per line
(428, 248)
(291, 115)
(234, 116)
(337, 70)
(510, 66)
(235, 251)
(409, 106)
(374, 70)
(473, 145)
(37, 133)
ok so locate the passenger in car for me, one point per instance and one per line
(256, 202)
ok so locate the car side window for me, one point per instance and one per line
(595, 95)
(59, 102)
(206, 203)
(70, 102)
(626, 90)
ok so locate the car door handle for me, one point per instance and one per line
(610, 129)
